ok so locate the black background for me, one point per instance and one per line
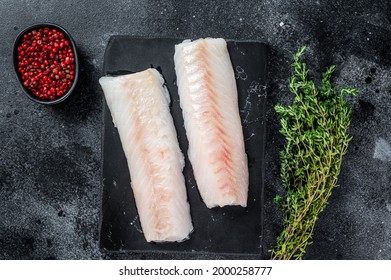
(50, 157)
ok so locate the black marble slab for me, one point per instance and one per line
(221, 230)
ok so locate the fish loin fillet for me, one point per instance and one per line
(209, 101)
(139, 105)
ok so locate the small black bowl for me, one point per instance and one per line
(19, 40)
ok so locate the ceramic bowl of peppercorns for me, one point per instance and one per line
(46, 64)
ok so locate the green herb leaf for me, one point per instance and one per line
(315, 129)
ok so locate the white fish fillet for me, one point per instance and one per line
(139, 106)
(209, 101)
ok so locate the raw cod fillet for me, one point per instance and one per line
(209, 101)
(139, 106)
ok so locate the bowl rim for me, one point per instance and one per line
(15, 59)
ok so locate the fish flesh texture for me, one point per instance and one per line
(139, 106)
(209, 102)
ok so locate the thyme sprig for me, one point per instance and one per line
(315, 129)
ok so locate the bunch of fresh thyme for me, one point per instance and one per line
(314, 127)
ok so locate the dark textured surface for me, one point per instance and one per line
(50, 188)
(120, 229)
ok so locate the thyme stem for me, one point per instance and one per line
(315, 129)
